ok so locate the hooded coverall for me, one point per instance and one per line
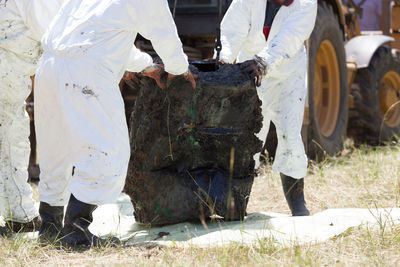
(22, 24)
(80, 122)
(284, 87)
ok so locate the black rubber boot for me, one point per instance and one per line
(294, 194)
(31, 226)
(52, 217)
(75, 232)
(5, 232)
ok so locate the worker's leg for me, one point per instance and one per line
(287, 115)
(53, 144)
(90, 111)
(268, 97)
(102, 155)
(53, 135)
(291, 160)
(16, 198)
(101, 140)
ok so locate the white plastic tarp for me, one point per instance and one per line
(118, 219)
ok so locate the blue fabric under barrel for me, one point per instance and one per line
(221, 131)
(211, 184)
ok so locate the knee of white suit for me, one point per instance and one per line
(290, 157)
(100, 181)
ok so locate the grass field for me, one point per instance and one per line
(360, 178)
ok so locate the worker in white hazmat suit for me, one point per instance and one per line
(22, 24)
(267, 37)
(81, 129)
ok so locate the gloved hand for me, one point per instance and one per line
(128, 76)
(154, 71)
(256, 68)
(189, 76)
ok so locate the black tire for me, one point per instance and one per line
(327, 28)
(366, 122)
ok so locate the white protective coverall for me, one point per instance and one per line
(284, 88)
(22, 24)
(80, 122)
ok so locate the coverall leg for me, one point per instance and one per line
(16, 197)
(283, 103)
(75, 160)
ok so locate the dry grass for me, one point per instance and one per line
(363, 178)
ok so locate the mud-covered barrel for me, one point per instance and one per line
(192, 149)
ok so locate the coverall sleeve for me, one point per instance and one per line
(290, 39)
(138, 60)
(235, 27)
(37, 14)
(154, 22)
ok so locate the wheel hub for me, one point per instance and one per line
(389, 98)
(327, 88)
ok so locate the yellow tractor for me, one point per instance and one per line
(375, 92)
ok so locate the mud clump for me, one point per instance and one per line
(192, 149)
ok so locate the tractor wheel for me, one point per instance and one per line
(375, 117)
(328, 89)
